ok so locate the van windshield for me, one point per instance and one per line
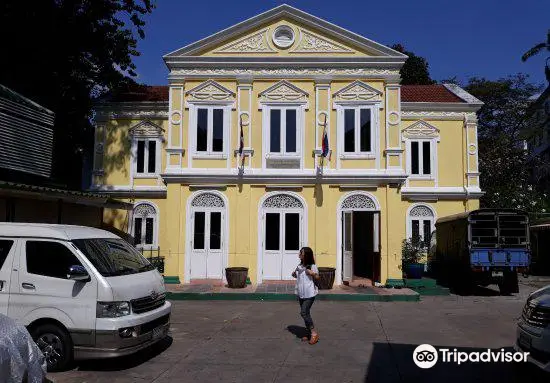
(113, 257)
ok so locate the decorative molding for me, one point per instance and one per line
(471, 116)
(144, 209)
(282, 201)
(283, 91)
(357, 91)
(207, 200)
(146, 128)
(131, 110)
(312, 43)
(180, 73)
(420, 129)
(210, 91)
(421, 211)
(358, 201)
(257, 43)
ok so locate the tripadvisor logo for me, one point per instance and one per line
(426, 356)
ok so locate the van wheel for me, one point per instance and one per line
(56, 345)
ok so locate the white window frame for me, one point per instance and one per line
(410, 219)
(374, 133)
(193, 117)
(300, 131)
(146, 173)
(155, 217)
(433, 158)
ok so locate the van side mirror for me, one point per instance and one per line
(78, 273)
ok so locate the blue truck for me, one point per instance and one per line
(482, 247)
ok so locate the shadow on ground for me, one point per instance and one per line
(126, 362)
(389, 357)
(298, 331)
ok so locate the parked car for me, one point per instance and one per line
(533, 330)
(81, 292)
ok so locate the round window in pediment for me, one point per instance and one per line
(283, 36)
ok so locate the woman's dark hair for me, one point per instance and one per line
(309, 259)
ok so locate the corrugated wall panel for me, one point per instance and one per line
(25, 146)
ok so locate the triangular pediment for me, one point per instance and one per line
(420, 129)
(210, 91)
(283, 91)
(285, 31)
(146, 128)
(357, 91)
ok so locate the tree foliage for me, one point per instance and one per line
(415, 70)
(538, 48)
(62, 54)
(503, 127)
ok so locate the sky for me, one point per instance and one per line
(463, 38)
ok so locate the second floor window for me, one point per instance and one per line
(283, 131)
(210, 131)
(146, 156)
(357, 131)
(420, 158)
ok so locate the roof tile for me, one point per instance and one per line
(428, 93)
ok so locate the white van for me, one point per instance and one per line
(82, 292)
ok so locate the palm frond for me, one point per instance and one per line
(533, 51)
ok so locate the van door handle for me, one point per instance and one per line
(28, 286)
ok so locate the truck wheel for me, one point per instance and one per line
(56, 345)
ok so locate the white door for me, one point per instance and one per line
(347, 245)
(207, 244)
(7, 253)
(282, 242)
(42, 285)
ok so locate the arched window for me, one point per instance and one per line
(145, 221)
(421, 223)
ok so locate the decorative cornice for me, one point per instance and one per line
(131, 110)
(210, 91)
(303, 178)
(357, 91)
(312, 43)
(182, 73)
(257, 43)
(437, 115)
(420, 129)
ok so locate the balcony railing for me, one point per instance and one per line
(153, 256)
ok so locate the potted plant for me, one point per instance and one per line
(236, 277)
(326, 278)
(412, 252)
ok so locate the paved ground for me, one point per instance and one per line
(233, 341)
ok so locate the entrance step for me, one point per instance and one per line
(359, 282)
(426, 287)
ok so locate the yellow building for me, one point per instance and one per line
(398, 157)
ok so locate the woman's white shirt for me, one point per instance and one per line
(305, 287)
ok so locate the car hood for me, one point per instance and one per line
(541, 297)
(133, 286)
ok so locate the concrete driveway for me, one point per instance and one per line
(236, 341)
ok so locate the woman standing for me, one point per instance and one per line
(306, 289)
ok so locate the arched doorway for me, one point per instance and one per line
(207, 236)
(358, 238)
(281, 235)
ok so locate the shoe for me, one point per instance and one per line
(314, 339)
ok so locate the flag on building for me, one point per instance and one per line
(241, 142)
(326, 151)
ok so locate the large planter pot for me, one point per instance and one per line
(236, 277)
(326, 278)
(414, 270)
